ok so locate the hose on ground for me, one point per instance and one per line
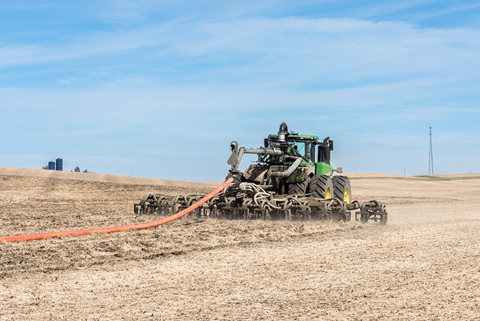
(165, 220)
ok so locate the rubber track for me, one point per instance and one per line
(165, 220)
(339, 185)
(318, 186)
(298, 188)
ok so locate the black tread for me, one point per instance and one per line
(339, 185)
(298, 188)
(319, 184)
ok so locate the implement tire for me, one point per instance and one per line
(298, 188)
(342, 189)
(364, 218)
(383, 219)
(321, 186)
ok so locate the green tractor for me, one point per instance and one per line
(292, 164)
(292, 179)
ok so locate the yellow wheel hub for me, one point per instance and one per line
(328, 194)
(346, 195)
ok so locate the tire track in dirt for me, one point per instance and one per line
(423, 265)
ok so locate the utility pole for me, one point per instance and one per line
(430, 157)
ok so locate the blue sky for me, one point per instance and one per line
(160, 88)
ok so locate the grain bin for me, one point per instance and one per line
(59, 163)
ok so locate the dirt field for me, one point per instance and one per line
(424, 265)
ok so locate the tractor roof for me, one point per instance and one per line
(296, 136)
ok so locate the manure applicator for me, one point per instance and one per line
(292, 179)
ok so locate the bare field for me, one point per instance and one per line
(424, 265)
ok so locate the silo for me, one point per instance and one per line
(51, 165)
(59, 164)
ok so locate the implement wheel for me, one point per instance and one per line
(341, 188)
(298, 188)
(321, 186)
(383, 219)
(364, 218)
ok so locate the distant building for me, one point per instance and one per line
(59, 164)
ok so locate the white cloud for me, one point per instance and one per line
(455, 8)
(206, 80)
(279, 52)
(84, 46)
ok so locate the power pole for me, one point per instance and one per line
(430, 157)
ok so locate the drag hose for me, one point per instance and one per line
(165, 220)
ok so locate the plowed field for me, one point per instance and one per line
(423, 265)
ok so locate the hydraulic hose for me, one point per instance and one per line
(165, 220)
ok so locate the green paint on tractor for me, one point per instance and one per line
(297, 176)
(323, 169)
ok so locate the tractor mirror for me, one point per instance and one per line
(330, 144)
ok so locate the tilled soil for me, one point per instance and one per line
(424, 265)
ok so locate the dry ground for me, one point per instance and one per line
(424, 265)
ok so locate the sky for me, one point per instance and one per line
(160, 88)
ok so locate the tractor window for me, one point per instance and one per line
(300, 149)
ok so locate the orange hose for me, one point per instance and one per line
(118, 228)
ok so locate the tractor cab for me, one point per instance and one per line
(308, 147)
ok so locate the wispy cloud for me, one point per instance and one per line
(454, 8)
(381, 8)
(142, 80)
(95, 44)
